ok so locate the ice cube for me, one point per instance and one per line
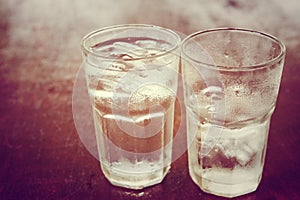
(164, 46)
(119, 66)
(243, 157)
(243, 144)
(130, 82)
(150, 95)
(103, 49)
(216, 158)
(109, 51)
(147, 44)
(131, 50)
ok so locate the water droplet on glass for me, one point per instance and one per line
(238, 90)
(211, 108)
(214, 92)
(193, 101)
(151, 164)
(238, 93)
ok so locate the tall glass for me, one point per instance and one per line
(231, 81)
(131, 74)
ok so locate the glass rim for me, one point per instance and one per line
(235, 68)
(85, 49)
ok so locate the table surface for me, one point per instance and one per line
(42, 155)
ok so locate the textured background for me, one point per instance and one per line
(41, 155)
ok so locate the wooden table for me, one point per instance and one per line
(42, 156)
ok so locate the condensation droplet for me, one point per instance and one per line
(214, 92)
(211, 108)
(238, 93)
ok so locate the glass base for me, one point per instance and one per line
(226, 186)
(137, 180)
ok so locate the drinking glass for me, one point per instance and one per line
(131, 73)
(231, 81)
